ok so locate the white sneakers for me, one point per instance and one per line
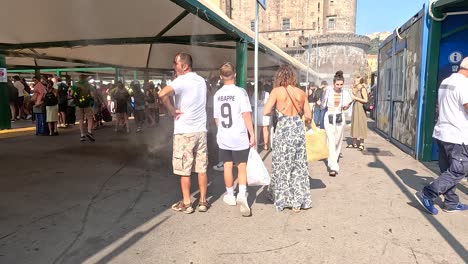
(242, 201)
(244, 206)
(229, 199)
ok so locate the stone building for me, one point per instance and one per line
(320, 33)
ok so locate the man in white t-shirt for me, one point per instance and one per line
(451, 133)
(232, 113)
(20, 103)
(190, 145)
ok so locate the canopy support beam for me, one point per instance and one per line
(241, 63)
(5, 122)
(164, 30)
(430, 93)
(208, 38)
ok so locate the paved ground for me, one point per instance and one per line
(65, 201)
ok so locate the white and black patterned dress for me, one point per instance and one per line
(289, 187)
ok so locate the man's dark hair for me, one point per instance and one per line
(185, 58)
(324, 83)
(16, 78)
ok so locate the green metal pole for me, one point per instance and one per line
(5, 122)
(135, 75)
(241, 63)
(57, 73)
(430, 94)
(117, 75)
(37, 72)
(146, 77)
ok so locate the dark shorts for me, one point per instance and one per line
(236, 156)
(63, 107)
(121, 107)
(20, 101)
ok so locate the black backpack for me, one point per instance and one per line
(150, 98)
(50, 99)
(62, 93)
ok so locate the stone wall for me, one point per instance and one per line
(331, 58)
(339, 48)
(306, 17)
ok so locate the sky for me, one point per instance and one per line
(384, 15)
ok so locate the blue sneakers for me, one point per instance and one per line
(460, 207)
(427, 203)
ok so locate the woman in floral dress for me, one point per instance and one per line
(289, 186)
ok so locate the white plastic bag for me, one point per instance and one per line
(257, 174)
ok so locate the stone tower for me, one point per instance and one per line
(326, 26)
(341, 13)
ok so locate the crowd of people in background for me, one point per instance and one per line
(52, 103)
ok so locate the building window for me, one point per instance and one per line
(286, 24)
(331, 2)
(331, 23)
(318, 7)
(294, 43)
(399, 80)
(252, 25)
(313, 25)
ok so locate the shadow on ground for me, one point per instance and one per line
(411, 180)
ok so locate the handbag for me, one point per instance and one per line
(338, 118)
(106, 115)
(274, 119)
(316, 143)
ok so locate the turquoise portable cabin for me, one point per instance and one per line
(413, 61)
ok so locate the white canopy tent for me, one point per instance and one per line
(141, 35)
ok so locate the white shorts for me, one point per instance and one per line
(261, 119)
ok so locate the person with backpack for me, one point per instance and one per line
(121, 97)
(20, 100)
(27, 99)
(84, 100)
(139, 105)
(13, 99)
(62, 89)
(51, 101)
(152, 106)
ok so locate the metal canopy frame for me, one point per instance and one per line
(231, 34)
(445, 6)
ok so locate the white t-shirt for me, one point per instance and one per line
(20, 87)
(229, 103)
(452, 125)
(190, 98)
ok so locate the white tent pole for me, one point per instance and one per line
(309, 49)
(256, 76)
